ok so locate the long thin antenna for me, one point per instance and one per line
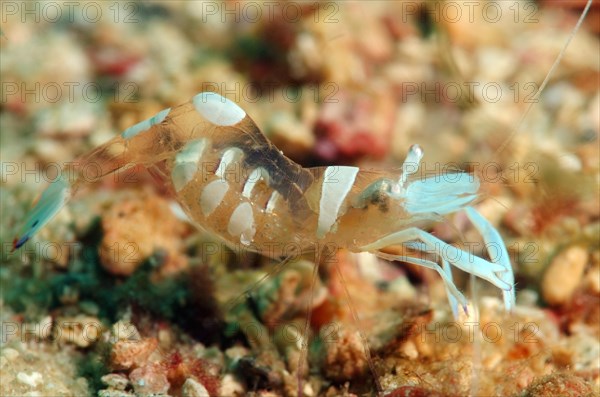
(516, 129)
(477, 342)
(361, 333)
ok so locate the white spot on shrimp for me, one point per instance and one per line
(272, 202)
(186, 162)
(337, 182)
(146, 124)
(241, 223)
(230, 156)
(212, 196)
(217, 109)
(255, 176)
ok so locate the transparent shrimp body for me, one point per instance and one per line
(231, 180)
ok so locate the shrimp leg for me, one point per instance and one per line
(459, 258)
(454, 295)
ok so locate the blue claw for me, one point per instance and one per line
(491, 237)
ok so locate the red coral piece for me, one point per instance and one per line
(180, 368)
(114, 63)
(355, 125)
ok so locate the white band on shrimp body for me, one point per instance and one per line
(337, 182)
(187, 162)
(255, 177)
(217, 109)
(212, 196)
(272, 202)
(241, 223)
(229, 159)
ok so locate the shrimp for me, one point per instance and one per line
(230, 180)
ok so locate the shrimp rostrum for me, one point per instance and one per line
(230, 180)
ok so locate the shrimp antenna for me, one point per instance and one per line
(518, 126)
